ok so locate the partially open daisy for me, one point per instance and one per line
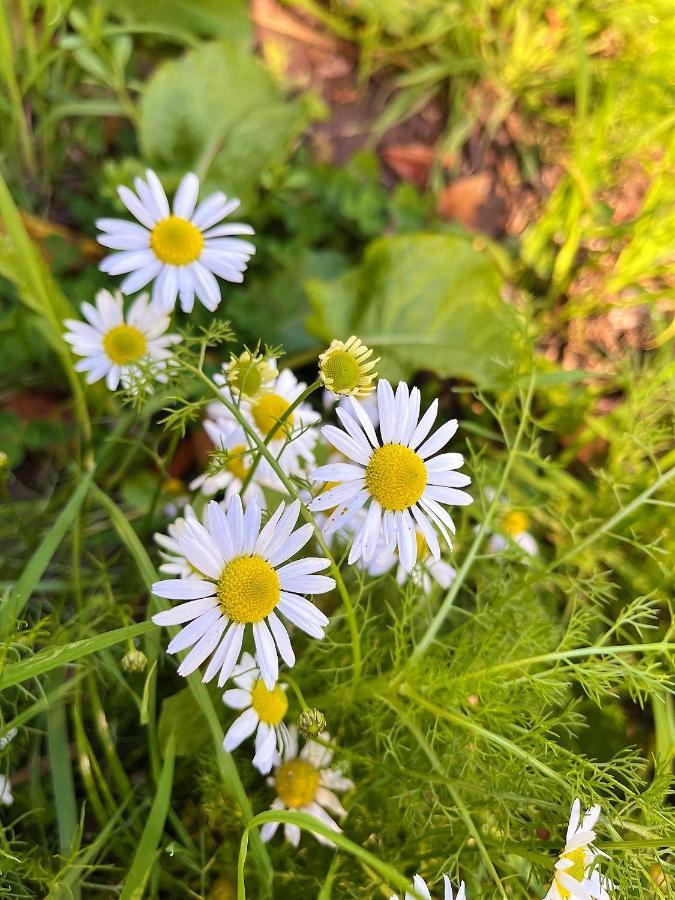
(248, 374)
(427, 569)
(576, 877)
(235, 445)
(304, 782)
(397, 476)
(290, 440)
(242, 582)
(346, 368)
(182, 249)
(116, 348)
(420, 891)
(263, 712)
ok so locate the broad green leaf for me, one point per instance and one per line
(12, 608)
(424, 301)
(218, 112)
(146, 852)
(182, 714)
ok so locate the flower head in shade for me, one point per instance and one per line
(346, 368)
(248, 374)
(118, 348)
(234, 456)
(291, 439)
(263, 712)
(304, 782)
(397, 476)
(420, 891)
(244, 579)
(181, 250)
(576, 877)
(427, 569)
(6, 796)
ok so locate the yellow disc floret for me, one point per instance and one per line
(396, 477)
(577, 870)
(124, 344)
(248, 589)
(249, 375)
(267, 411)
(344, 368)
(176, 241)
(271, 706)
(514, 523)
(297, 782)
(236, 464)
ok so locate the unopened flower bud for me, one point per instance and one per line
(311, 722)
(134, 661)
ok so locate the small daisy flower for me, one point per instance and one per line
(420, 890)
(116, 349)
(513, 530)
(292, 441)
(304, 782)
(397, 476)
(575, 878)
(263, 712)
(181, 250)
(230, 478)
(242, 582)
(346, 368)
(427, 569)
(248, 374)
(6, 796)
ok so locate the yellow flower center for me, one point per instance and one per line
(271, 706)
(514, 523)
(248, 589)
(267, 411)
(396, 477)
(124, 344)
(422, 548)
(297, 783)
(176, 241)
(247, 375)
(236, 463)
(341, 372)
(577, 870)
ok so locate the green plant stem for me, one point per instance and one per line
(292, 490)
(445, 607)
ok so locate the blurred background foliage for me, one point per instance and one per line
(477, 189)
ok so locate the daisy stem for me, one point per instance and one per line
(306, 514)
(278, 426)
(431, 632)
(296, 690)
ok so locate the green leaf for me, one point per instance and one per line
(218, 112)
(146, 852)
(424, 301)
(182, 714)
(14, 605)
(209, 18)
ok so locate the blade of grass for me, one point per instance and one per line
(61, 773)
(54, 657)
(14, 605)
(146, 852)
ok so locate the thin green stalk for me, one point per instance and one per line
(445, 607)
(306, 514)
(8, 75)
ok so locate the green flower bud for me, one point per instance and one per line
(311, 722)
(134, 661)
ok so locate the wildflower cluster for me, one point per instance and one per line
(245, 577)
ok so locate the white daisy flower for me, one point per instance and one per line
(304, 782)
(6, 797)
(263, 712)
(397, 476)
(420, 890)
(292, 442)
(575, 876)
(243, 582)
(181, 250)
(427, 569)
(511, 529)
(232, 475)
(175, 562)
(116, 349)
